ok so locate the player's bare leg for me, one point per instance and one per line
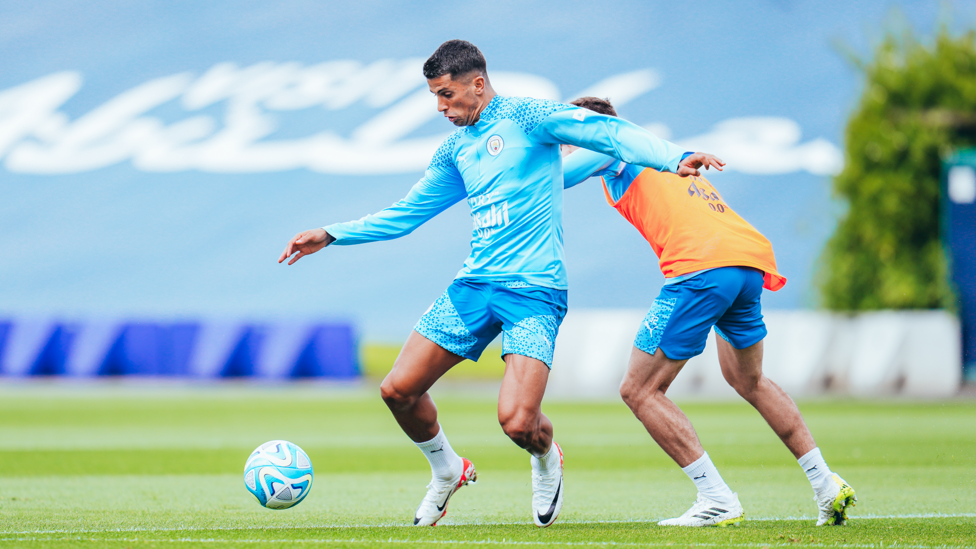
(643, 390)
(742, 368)
(421, 363)
(520, 403)
(520, 415)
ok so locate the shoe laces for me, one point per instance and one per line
(701, 502)
(545, 480)
(544, 485)
(436, 489)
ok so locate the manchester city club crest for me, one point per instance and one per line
(495, 145)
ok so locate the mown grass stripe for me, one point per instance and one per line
(484, 542)
(447, 525)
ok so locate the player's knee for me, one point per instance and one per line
(518, 427)
(743, 383)
(394, 398)
(635, 389)
(629, 391)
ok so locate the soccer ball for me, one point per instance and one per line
(279, 474)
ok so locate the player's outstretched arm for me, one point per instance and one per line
(611, 136)
(305, 243)
(584, 164)
(440, 188)
(434, 193)
(691, 163)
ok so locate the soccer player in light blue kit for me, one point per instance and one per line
(504, 160)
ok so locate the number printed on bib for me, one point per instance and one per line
(701, 189)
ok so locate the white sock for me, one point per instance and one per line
(546, 462)
(445, 464)
(815, 467)
(709, 482)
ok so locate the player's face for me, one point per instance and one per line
(462, 99)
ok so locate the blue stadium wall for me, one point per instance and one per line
(291, 351)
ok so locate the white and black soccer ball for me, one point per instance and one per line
(279, 474)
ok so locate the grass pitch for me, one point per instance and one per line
(141, 465)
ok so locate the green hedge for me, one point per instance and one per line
(918, 104)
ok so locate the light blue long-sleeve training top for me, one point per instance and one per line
(584, 164)
(508, 167)
(618, 176)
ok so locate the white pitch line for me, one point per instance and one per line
(446, 524)
(488, 542)
(905, 516)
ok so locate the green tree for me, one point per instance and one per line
(919, 103)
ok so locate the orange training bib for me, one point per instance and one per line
(691, 228)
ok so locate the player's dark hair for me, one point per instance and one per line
(457, 58)
(595, 104)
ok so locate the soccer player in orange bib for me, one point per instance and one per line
(715, 266)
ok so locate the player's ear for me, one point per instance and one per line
(479, 84)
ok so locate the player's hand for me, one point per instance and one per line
(690, 165)
(305, 243)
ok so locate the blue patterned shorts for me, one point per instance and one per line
(684, 312)
(471, 313)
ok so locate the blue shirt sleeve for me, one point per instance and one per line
(609, 135)
(583, 164)
(439, 189)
